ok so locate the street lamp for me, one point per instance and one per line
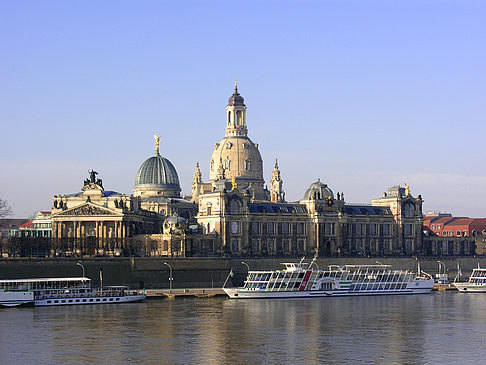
(170, 277)
(442, 280)
(244, 263)
(80, 264)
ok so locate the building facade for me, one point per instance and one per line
(246, 219)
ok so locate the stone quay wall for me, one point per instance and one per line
(152, 273)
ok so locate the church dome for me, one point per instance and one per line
(240, 158)
(159, 176)
(236, 99)
(318, 191)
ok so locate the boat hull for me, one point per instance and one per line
(16, 298)
(470, 288)
(89, 300)
(239, 293)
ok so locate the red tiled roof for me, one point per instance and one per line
(27, 224)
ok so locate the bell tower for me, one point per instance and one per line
(276, 192)
(236, 115)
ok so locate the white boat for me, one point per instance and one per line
(301, 281)
(63, 291)
(475, 284)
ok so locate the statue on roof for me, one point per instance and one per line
(92, 176)
(407, 189)
(157, 141)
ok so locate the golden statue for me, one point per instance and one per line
(157, 141)
(233, 184)
(236, 84)
(407, 189)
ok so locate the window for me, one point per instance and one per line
(239, 118)
(432, 226)
(270, 228)
(227, 164)
(234, 207)
(235, 227)
(408, 229)
(409, 211)
(209, 209)
(300, 228)
(450, 233)
(255, 245)
(285, 228)
(255, 227)
(234, 245)
(458, 233)
(373, 229)
(386, 229)
(247, 165)
(358, 228)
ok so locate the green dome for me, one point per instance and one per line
(158, 173)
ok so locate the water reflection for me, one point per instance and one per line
(409, 329)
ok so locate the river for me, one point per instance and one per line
(443, 327)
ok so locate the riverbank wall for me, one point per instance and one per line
(153, 273)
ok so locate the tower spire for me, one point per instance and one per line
(276, 192)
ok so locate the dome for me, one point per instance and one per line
(159, 176)
(236, 98)
(240, 158)
(318, 191)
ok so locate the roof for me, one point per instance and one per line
(157, 172)
(28, 224)
(277, 208)
(367, 210)
(105, 193)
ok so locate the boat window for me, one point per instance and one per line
(84, 300)
(49, 302)
(56, 301)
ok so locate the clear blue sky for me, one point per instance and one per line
(362, 94)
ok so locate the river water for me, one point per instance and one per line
(444, 327)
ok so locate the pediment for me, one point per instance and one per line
(88, 209)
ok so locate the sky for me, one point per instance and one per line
(361, 94)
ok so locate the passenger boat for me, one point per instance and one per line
(63, 291)
(299, 280)
(475, 284)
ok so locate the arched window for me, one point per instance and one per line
(234, 207)
(229, 117)
(408, 211)
(208, 210)
(239, 118)
(247, 165)
(227, 164)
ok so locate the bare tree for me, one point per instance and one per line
(5, 210)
